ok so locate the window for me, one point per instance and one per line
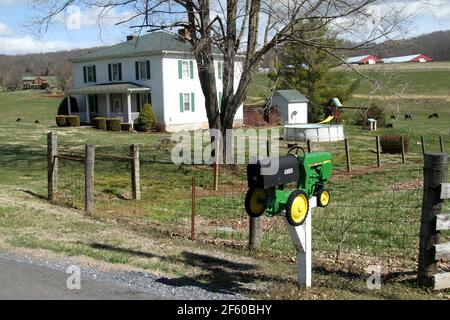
(142, 70)
(142, 99)
(115, 71)
(185, 70)
(187, 102)
(89, 74)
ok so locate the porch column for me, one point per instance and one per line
(108, 104)
(69, 106)
(88, 111)
(129, 109)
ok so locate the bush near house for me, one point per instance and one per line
(125, 127)
(73, 121)
(61, 121)
(393, 143)
(113, 124)
(146, 118)
(100, 123)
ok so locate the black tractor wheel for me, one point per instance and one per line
(323, 198)
(255, 202)
(297, 208)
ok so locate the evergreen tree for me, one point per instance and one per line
(308, 69)
(146, 119)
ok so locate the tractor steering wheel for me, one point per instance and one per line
(296, 148)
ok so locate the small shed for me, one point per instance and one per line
(293, 106)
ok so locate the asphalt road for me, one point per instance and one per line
(21, 280)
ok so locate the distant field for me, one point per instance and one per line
(430, 66)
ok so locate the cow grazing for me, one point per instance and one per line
(390, 126)
(36, 121)
(393, 117)
(434, 115)
(408, 116)
(19, 120)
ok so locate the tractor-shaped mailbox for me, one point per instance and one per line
(268, 191)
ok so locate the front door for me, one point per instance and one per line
(117, 105)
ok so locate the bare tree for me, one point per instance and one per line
(243, 31)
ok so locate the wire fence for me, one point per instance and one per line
(373, 218)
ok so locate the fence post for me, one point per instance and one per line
(441, 143)
(89, 178)
(347, 154)
(308, 144)
(422, 140)
(435, 173)
(135, 172)
(52, 166)
(254, 238)
(378, 152)
(402, 141)
(193, 209)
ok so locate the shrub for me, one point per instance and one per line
(393, 144)
(61, 121)
(73, 121)
(100, 123)
(63, 109)
(146, 118)
(113, 124)
(160, 126)
(125, 127)
(375, 112)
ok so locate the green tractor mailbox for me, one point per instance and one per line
(310, 172)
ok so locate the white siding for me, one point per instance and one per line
(287, 111)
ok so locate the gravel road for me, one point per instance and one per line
(27, 277)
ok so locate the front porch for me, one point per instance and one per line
(120, 100)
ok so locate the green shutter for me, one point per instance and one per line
(84, 74)
(192, 102)
(191, 67)
(180, 70)
(181, 103)
(136, 67)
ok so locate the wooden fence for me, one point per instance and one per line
(88, 158)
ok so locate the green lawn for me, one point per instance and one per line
(368, 218)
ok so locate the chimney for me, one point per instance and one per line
(184, 34)
(129, 38)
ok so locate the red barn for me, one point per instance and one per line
(367, 59)
(410, 58)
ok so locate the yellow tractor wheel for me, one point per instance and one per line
(323, 198)
(255, 202)
(297, 207)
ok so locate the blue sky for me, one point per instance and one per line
(17, 37)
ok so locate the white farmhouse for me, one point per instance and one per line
(158, 68)
(293, 106)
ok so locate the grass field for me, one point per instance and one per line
(368, 212)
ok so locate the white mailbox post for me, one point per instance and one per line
(301, 238)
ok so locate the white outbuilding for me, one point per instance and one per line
(293, 106)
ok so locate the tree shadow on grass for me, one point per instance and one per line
(217, 274)
(34, 194)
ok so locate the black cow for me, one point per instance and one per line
(393, 117)
(390, 126)
(36, 121)
(434, 115)
(19, 120)
(408, 116)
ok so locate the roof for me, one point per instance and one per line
(28, 78)
(123, 87)
(401, 59)
(152, 43)
(358, 58)
(292, 96)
